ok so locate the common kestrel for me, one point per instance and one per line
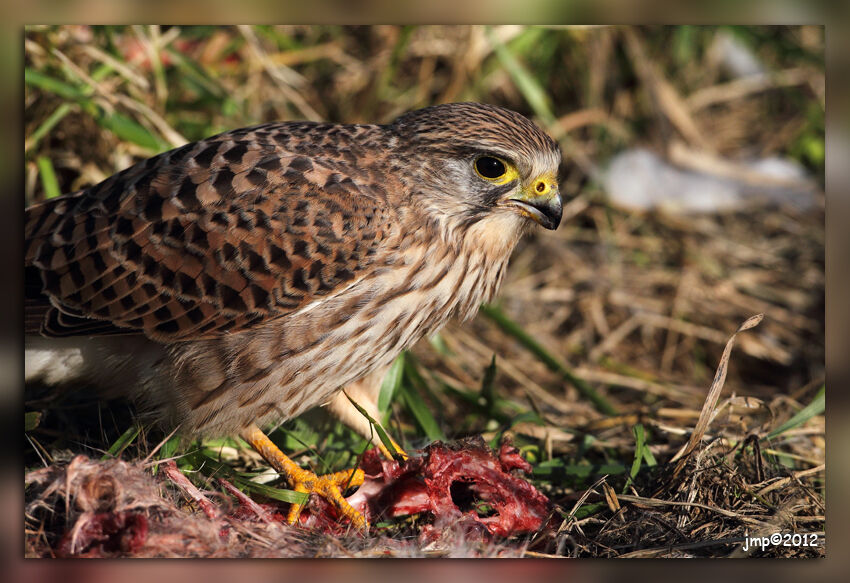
(250, 276)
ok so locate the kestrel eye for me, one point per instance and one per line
(490, 168)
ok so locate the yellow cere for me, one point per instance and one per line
(541, 186)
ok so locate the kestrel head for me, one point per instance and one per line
(474, 162)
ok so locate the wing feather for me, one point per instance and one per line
(208, 239)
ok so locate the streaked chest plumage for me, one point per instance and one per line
(298, 362)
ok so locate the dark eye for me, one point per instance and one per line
(490, 167)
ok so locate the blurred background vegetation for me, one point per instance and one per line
(597, 356)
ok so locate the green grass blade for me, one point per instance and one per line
(416, 405)
(121, 125)
(639, 434)
(122, 442)
(390, 385)
(193, 72)
(382, 435)
(527, 417)
(209, 466)
(505, 412)
(816, 407)
(48, 124)
(649, 458)
(127, 129)
(642, 454)
(487, 385)
(298, 434)
(526, 83)
(439, 344)
(423, 416)
(31, 420)
(641, 446)
(52, 85)
(48, 177)
(281, 494)
(556, 470)
(169, 448)
(589, 510)
(552, 363)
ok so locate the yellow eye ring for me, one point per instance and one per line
(490, 168)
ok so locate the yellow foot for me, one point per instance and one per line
(329, 486)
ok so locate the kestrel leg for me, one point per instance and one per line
(365, 393)
(329, 486)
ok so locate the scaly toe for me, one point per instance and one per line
(329, 487)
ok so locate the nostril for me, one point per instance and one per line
(541, 186)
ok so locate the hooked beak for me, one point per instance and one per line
(540, 201)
